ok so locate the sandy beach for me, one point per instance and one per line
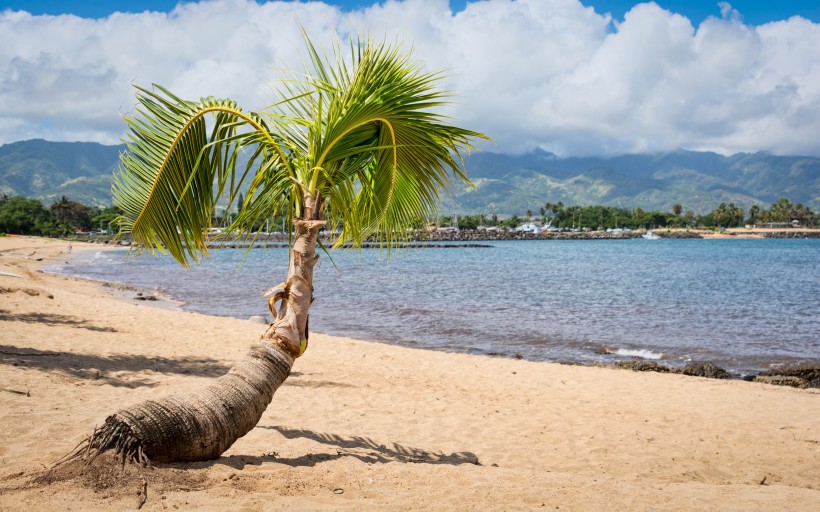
(369, 426)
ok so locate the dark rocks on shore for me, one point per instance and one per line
(638, 365)
(706, 369)
(799, 376)
(695, 369)
(677, 234)
(792, 234)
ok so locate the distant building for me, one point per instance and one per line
(781, 225)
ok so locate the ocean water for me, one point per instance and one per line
(746, 305)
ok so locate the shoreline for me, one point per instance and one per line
(364, 425)
(795, 372)
(457, 239)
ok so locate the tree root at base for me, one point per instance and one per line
(114, 435)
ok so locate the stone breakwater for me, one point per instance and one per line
(792, 234)
(488, 236)
(470, 236)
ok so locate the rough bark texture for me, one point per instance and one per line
(290, 325)
(202, 425)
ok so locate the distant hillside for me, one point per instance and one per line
(81, 171)
(700, 181)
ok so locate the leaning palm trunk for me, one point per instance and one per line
(355, 142)
(202, 425)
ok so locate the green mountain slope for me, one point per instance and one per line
(698, 180)
(507, 184)
(81, 171)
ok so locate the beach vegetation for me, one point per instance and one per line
(24, 216)
(71, 213)
(355, 142)
(28, 216)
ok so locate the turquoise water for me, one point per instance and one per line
(744, 304)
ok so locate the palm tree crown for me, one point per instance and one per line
(355, 141)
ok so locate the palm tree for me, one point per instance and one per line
(719, 214)
(353, 143)
(71, 213)
(677, 208)
(754, 211)
(637, 215)
(738, 215)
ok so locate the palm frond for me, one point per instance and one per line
(379, 152)
(181, 158)
(358, 133)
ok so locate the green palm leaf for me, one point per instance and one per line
(357, 136)
(181, 158)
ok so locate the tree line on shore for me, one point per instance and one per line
(598, 217)
(28, 216)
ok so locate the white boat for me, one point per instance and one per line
(649, 235)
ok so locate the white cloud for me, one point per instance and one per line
(530, 73)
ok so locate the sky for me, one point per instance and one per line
(577, 78)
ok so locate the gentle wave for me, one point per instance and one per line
(643, 354)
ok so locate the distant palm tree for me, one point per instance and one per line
(637, 215)
(720, 214)
(354, 143)
(677, 208)
(754, 211)
(802, 214)
(71, 213)
(62, 209)
(738, 215)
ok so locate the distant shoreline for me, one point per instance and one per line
(279, 240)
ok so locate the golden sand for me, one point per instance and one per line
(369, 426)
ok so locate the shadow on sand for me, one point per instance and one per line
(362, 448)
(103, 368)
(53, 320)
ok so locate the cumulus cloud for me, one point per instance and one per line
(550, 74)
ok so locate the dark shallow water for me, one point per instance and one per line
(747, 305)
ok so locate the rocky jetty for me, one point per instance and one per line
(476, 236)
(792, 234)
(677, 234)
(421, 237)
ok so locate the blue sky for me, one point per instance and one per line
(532, 74)
(754, 12)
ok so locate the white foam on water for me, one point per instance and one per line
(643, 354)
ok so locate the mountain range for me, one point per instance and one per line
(699, 181)
(506, 184)
(81, 171)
